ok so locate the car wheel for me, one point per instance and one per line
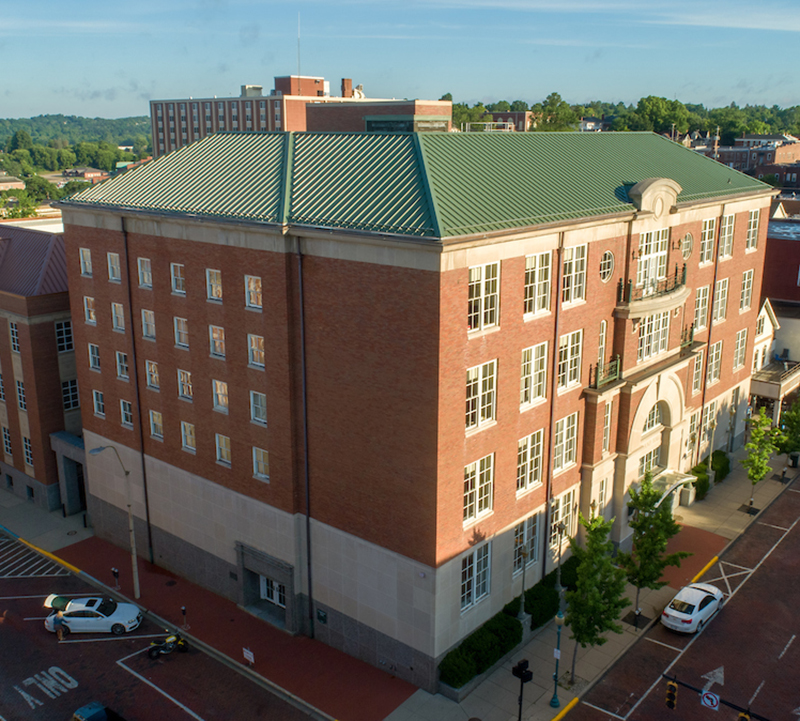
(64, 631)
(699, 627)
(118, 629)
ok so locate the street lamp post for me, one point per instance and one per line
(554, 702)
(132, 535)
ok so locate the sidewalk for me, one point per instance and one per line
(338, 686)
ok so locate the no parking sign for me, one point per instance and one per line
(710, 700)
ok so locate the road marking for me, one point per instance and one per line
(156, 688)
(113, 638)
(605, 711)
(753, 697)
(38, 595)
(786, 647)
(661, 643)
(771, 525)
(712, 677)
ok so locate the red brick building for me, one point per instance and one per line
(297, 103)
(38, 378)
(364, 370)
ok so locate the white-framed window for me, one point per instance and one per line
(94, 357)
(188, 437)
(475, 575)
(478, 488)
(69, 395)
(714, 362)
(707, 240)
(751, 242)
(574, 274)
(148, 324)
(484, 296)
(569, 359)
(86, 262)
(602, 497)
(607, 413)
(701, 307)
(720, 301)
(255, 350)
(99, 403)
(562, 510)
(126, 413)
(177, 272)
(653, 419)
(653, 335)
(481, 394)
(7, 448)
(88, 310)
(746, 294)
(252, 292)
(740, 350)
(64, 336)
(27, 448)
(123, 372)
(181, 332)
(652, 265)
(529, 461)
(601, 344)
(185, 384)
(258, 407)
(709, 419)
(533, 375)
(697, 376)
(726, 236)
(537, 283)
(156, 425)
(151, 369)
(114, 272)
(606, 266)
(566, 436)
(145, 273)
(216, 340)
(2, 389)
(220, 391)
(117, 316)
(649, 461)
(760, 324)
(213, 284)
(260, 464)
(14, 333)
(526, 542)
(223, 444)
(273, 591)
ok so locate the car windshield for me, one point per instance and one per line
(107, 607)
(682, 606)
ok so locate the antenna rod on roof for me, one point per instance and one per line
(298, 45)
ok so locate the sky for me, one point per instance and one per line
(108, 58)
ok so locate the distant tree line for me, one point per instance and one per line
(63, 130)
(656, 114)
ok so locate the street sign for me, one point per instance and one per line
(557, 653)
(249, 656)
(710, 700)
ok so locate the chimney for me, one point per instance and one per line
(347, 87)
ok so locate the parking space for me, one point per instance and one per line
(19, 561)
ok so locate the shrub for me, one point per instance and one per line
(721, 465)
(701, 484)
(457, 668)
(541, 602)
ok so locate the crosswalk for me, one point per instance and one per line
(19, 561)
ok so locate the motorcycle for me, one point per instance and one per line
(168, 645)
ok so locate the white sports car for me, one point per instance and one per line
(691, 608)
(92, 615)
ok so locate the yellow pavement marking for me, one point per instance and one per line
(705, 568)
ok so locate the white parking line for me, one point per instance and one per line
(753, 697)
(661, 643)
(114, 638)
(772, 525)
(786, 647)
(605, 711)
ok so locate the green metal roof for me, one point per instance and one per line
(434, 185)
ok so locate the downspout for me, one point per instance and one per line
(711, 301)
(135, 374)
(553, 391)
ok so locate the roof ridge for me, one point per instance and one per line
(430, 195)
(285, 202)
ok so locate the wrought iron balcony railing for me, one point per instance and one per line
(604, 373)
(627, 292)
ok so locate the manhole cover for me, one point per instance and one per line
(71, 533)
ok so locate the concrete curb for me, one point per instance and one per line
(270, 686)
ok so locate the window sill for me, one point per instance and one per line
(528, 317)
(263, 479)
(157, 438)
(527, 491)
(479, 332)
(91, 322)
(224, 411)
(181, 346)
(254, 308)
(117, 281)
(482, 427)
(151, 338)
(260, 424)
(157, 389)
(564, 469)
(536, 403)
(256, 366)
(215, 301)
(129, 426)
(186, 399)
(224, 464)
(125, 379)
(178, 293)
(118, 330)
(193, 451)
(477, 519)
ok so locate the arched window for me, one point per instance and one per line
(653, 418)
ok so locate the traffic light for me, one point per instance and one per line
(743, 716)
(672, 694)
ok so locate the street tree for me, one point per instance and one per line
(596, 601)
(790, 426)
(764, 441)
(652, 525)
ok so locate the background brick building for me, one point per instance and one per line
(362, 371)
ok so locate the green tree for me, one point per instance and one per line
(17, 204)
(39, 189)
(596, 601)
(21, 140)
(554, 114)
(500, 107)
(447, 96)
(519, 106)
(463, 114)
(764, 441)
(790, 426)
(652, 525)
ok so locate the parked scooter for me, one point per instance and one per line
(168, 645)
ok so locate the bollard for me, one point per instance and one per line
(185, 625)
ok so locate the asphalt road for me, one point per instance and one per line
(43, 679)
(747, 656)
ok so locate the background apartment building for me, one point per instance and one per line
(353, 375)
(297, 103)
(39, 399)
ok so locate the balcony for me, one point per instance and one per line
(603, 374)
(776, 380)
(653, 297)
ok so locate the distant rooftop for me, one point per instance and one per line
(32, 262)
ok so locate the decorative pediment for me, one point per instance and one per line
(655, 195)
